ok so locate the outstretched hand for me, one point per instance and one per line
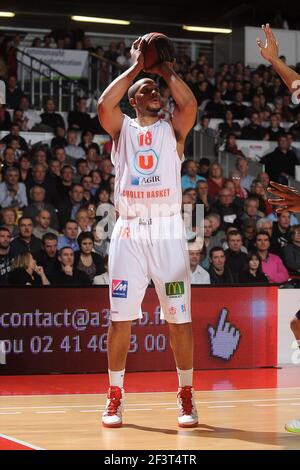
(269, 50)
(288, 198)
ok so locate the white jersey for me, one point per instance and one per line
(147, 170)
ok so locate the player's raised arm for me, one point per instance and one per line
(269, 52)
(109, 111)
(185, 112)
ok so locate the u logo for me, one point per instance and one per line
(146, 162)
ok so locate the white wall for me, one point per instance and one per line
(289, 45)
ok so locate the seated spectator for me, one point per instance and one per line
(87, 184)
(216, 108)
(5, 257)
(205, 129)
(25, 241)
(72, 149)
(12, 193)
(264, 178)
(254, 131)
(86, 259)
(251, 211)
(14, 134)
(5, 121)
(42, 226)
(231, 146)
(60, 138)
(242, 166)
(209, 242)
(91, 159)
(257, 190)
(79, 118)
(106, 169)
(203, 197)
(101, 240)
(50, 118)
(103, 279)
(9, 159)
(272, 265)
(8, 220)
(215, 180)
(55, 172)
(230, 213)
(239, 202)
(65, 185)
(235, 258)
(265, 225)
(69, 237)
(275, 130)
(191, 178)
(219, 273)
(82, 218)
(40, 156)
(70, 206)
(81, 170)
(13, 93)
(40, 178)
(274, 217)
(280, 164)
(281, 233)
(198, 274)
(25, 272)
(229, 126)
(31, 117)
(67, 274)
(238, 109)
(217, 232)
(204, 165)
(86, 143)
(239, 191)
(248, 233)
(37, 196)
(291, 252)
(292, 147)
(24, 168)
(47, 255)
(60, 155)
(252, 271)
(295, 129)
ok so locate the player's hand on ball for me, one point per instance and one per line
(269, 50)
(136, 52)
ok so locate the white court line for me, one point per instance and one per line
(18, 441)
(49, 412)
(227, 406)
(265, 405)
(294, 404)
(211, 402)
(12, 413)
(149, 393)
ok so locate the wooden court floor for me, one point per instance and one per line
(234, 419)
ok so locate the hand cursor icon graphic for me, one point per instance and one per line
(224, 339)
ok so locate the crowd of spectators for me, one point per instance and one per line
(52, 197)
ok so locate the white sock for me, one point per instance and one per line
(185, 377)
(116, 378)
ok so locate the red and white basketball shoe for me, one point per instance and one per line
(112, 415)
(187, 416)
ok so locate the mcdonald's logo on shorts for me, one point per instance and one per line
(174, 289)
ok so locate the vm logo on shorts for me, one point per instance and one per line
(2, 93)
(174, 289)
(119, 289)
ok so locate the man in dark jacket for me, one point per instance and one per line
(67, 274)
(280, 163)
(69, 207)
(235, 258)
(219, 273)
(47, 256)
(291, 252)
(26, 241)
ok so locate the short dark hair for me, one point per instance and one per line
(65, 248)
(79, 161)
(70, 221)
(234, 233)
(85, 236)
(24, 218)
(214, 250)
(49, 236)
(4, 229)
(262, 232)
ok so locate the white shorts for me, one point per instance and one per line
(145, 249)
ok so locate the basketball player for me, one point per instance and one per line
(146, 243)
(287, 198)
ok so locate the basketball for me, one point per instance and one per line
(158, 48)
